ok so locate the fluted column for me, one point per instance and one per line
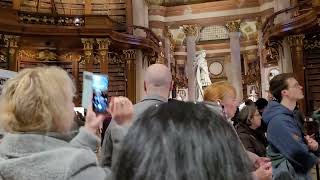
(264, 80)
(236, 78)
(88, 52)
(140, 17)
(130, 57)
(12, 45)
(103, 49)
(167, 46)
(296, 46)
(191, 32)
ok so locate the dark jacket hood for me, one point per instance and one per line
(274, 109)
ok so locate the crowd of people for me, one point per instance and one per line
(157, 138)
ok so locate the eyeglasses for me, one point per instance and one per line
(297, 85)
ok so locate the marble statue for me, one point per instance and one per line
(201, 74)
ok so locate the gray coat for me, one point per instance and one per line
(114, 134)
(32, 156)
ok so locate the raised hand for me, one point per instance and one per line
(121, 110)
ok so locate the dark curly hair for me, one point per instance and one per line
(181, 141)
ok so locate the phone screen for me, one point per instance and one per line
(100, 85)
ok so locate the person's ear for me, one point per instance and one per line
(219, 102)
(284, 92)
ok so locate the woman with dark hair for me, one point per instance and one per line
(249, 120)
(181, 141)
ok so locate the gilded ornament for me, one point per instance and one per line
(190, 30)
(311, 44)
(233, 26)
(103, 43)
(296, 40)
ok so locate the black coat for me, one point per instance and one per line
(250, 141)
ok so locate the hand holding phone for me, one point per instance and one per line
(100, 84)
(95, 92)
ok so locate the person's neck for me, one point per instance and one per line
(289, 103)
(158, 94)
(162, 93)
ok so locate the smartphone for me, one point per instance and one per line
(95, 86)
(100, 85)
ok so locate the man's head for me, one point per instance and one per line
(158, 80)
(285, 86)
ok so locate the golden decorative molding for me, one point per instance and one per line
(87, 43)
(154, 2)
(250, 55)
(190, 30)
(167, 33)
(88, 49)
(129, 54)
(233, 26)
(103, 43)
(311, 44)
(295, 40)
(259, 24)
(11, 41)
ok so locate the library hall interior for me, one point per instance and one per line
(159, 89)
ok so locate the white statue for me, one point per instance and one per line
(201, 74)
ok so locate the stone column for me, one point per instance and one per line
(264, 79)
(285, 62)
(12, 45)
(130, 56)
(88, 52)
(296, 45)
(191, 31)
(167, 46)
(236, 77)
(140, 18)
(103, 49)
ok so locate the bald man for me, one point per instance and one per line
(157, 86)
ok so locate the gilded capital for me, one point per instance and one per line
(295, 40)
(103, 43)
(190, 30)
(129, 54)
(233, 26)
(87, 43)
(11, 41)
(259, 24)
(250, 55)
(167, 33)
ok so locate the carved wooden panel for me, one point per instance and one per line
(117, 70)
(312, 73)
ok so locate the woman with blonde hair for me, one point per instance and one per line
(224, 95)
(221, 97)
(36, 110)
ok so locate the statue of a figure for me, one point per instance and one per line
(201, 74)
